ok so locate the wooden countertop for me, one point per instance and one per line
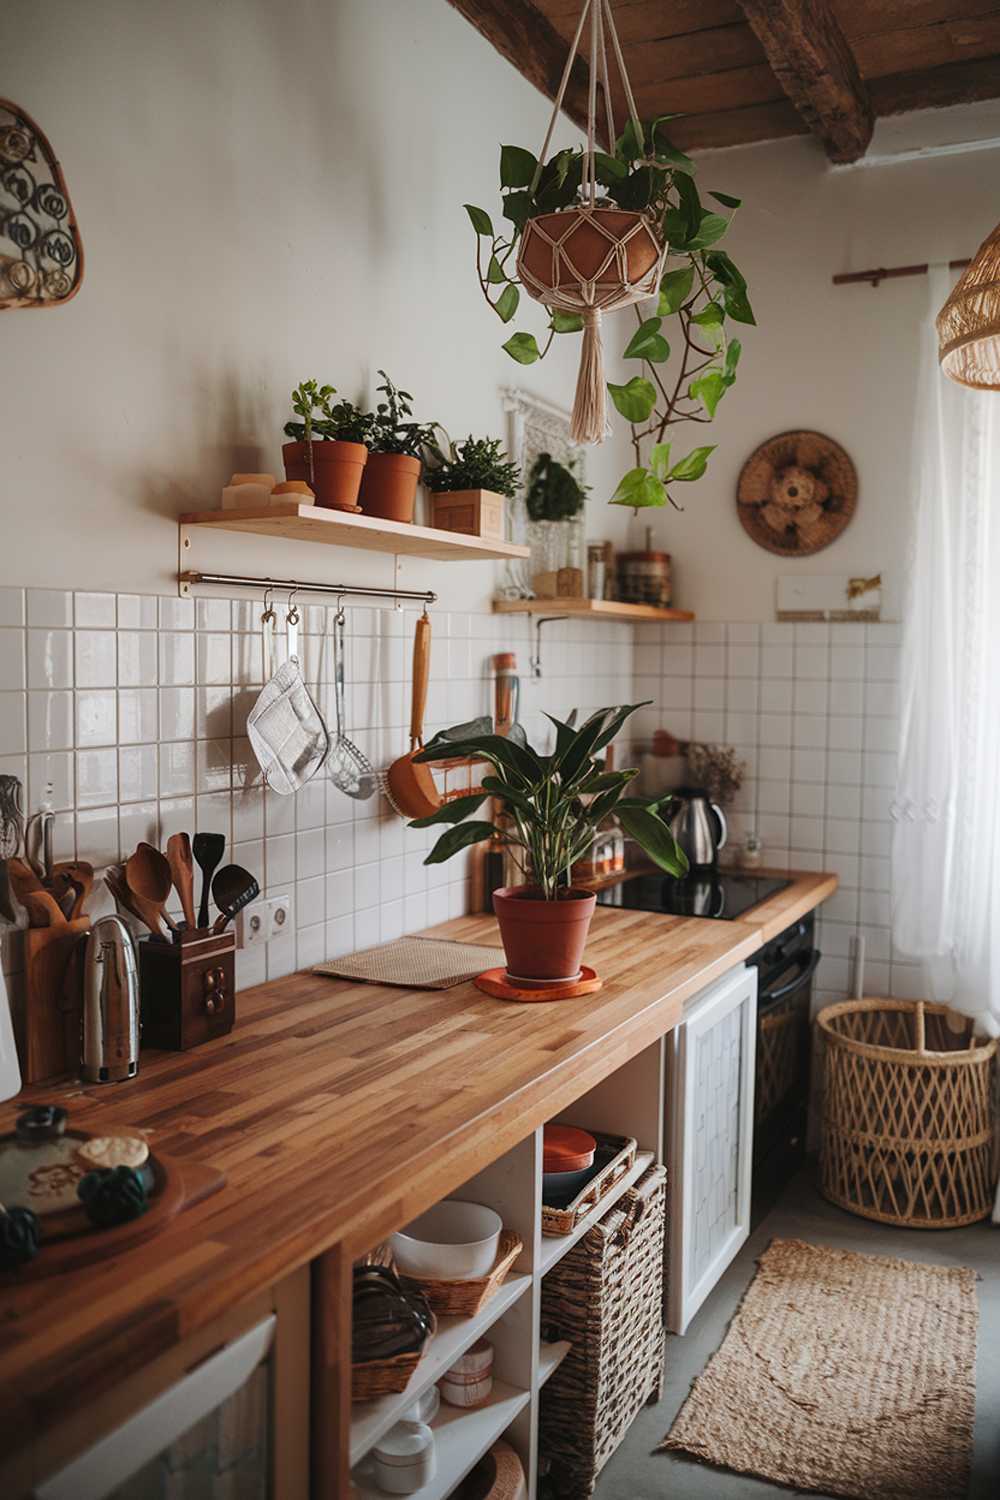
(338, 1112)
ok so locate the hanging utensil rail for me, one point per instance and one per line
(345, 590)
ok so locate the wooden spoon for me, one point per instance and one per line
(75, 875)
(148, 876)
(145, 911)
(409, 784)
(182, 871)
(43, 909)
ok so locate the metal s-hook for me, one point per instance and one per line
(268, 617)
(292, 617)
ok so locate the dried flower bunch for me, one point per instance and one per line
(716, 768)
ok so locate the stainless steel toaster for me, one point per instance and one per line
(110, 1004)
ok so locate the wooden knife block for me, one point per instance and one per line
(188, 989)
(49, 1033)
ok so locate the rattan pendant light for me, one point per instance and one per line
(969, 323)
(594, 257)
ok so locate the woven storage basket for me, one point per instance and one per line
(463, 1299)
(908, 1114)
(606, 1297)
(619, 1153)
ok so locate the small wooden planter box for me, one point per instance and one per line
(474, 512)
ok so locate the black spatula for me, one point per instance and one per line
(233, 888)
(208, 849)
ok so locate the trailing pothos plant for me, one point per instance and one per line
(551, 805)
(702, 291)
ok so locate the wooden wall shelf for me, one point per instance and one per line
(598, 609)
(311, 523)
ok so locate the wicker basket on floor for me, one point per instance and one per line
(606, 1297)
(908, 1114)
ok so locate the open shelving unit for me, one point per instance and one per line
(550, 1357)
(313, 523)
(597, 609)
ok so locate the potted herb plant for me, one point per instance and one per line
(329, 448)
(551, 807)
(389, 487)
(469, 482)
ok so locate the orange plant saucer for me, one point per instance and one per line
(495, 982)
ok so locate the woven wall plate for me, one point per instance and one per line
(796, 493)
(41, 256)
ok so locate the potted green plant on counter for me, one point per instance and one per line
(389, 487)
(551, 807)
(329, 447)
(468, 483)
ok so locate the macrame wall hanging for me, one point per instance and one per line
(595, 257)
(41, 257)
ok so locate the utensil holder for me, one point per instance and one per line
(188, 988)
(47, 1023)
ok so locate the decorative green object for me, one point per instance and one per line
(19, 1238)
(322, 422)
(553, 803)
(554, 492)
(702, 291)
(112, 1195)
(393, 431)
(476, 464)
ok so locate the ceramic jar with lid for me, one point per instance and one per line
(470, 1379)
(404, 1458)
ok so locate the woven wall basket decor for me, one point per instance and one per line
(41, 257)
(796, 493)
(968, 325)
(594, 257)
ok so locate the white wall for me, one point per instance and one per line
(841, 360)
(265, 192)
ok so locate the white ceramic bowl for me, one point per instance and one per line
(453, 1241)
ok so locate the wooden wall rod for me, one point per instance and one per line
(886, 273)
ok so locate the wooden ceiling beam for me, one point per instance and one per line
(954, 83)
(525, 37)
(815, 66)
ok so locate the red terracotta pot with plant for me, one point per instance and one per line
(389, 486)
(330, 447)
(551, 806)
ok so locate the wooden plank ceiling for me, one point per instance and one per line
(753, 70)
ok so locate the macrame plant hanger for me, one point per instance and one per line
(592, 258)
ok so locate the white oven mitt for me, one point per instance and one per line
(287, 732)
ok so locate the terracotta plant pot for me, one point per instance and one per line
(389, 487)
(543, 939)
(337, 471)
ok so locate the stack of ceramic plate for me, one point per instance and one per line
(567, 1162)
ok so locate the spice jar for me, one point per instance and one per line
(404, 1458)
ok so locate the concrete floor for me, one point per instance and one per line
(636, 1472)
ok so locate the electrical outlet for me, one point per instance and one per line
(252, 924)
(279, 912)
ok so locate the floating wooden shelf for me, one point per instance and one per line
(600, 609)
(311, 523)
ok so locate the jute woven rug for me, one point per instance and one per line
(844, 1374)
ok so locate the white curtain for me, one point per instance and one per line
(946, 841)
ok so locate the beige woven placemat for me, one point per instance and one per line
(843, 1373)
(415, 963)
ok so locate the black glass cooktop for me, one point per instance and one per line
(702, 893)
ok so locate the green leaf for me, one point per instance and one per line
(653, 835)
(664, 148)
(481, 221)
(576, 756)
(675, 288)
(725, 199)
(710, 316)
(517, 208)
(709, 389)
(495, 273)
(733, 353)
(523, 348)
(724, 269)
(501, 750)
(506, 303)
(648, 343)
(737, 304)
(565, 322)
(635, 400)
(659, 459)
(617, 719)
(689, 207)
(517, 167)
(629, 146)
(450, 812)
(564, 734)
(711, 228)
(508, 793)
(609, 168)
(640, 489)
(458, 838)
(694, 466)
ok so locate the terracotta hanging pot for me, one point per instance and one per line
(389, 486)
(337, 468)
(543, 939)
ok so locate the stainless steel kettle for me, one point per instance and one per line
(110, 1004)
(698, 825)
